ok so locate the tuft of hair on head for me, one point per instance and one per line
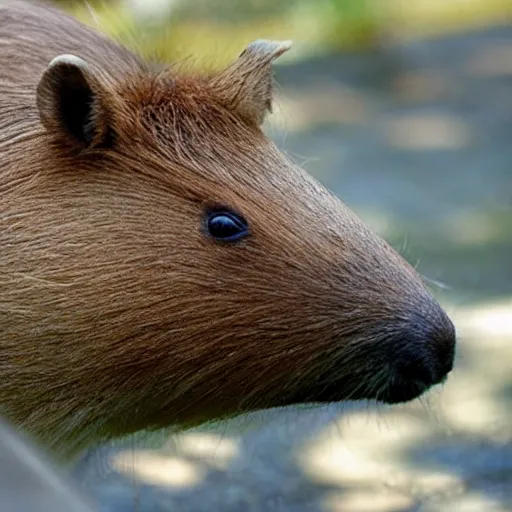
(246, 85)
(70, 101)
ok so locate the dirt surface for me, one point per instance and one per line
(417, 140)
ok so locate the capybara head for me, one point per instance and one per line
(163, 263)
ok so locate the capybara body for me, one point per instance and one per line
(162, 263)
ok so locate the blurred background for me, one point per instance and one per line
(404, 109)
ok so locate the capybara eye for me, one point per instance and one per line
(226, 226)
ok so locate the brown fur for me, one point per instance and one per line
(117, 312)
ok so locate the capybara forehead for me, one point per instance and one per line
(183, 108)
(178, 129)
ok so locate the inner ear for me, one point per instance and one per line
(75, 100)
(69, 102)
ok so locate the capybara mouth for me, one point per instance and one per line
(394, 389)
(400, 391)
(405, 366)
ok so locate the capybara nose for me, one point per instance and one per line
(428, 352)
(423, 352)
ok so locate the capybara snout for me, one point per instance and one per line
(420, 352)
(163, 263)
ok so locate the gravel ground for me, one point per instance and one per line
(417, 141)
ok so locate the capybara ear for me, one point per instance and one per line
(246, 85)
(69, 102)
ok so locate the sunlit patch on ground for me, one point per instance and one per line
(157, 469)
(487, 321)
(180, 469)
(471, 502)
(366, 500)
(366, 450)
(218, 451)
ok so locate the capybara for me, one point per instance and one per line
(162, 263)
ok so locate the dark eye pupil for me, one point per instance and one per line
(222, 226)
(226, 226)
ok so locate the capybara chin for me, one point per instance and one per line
(162, 263)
